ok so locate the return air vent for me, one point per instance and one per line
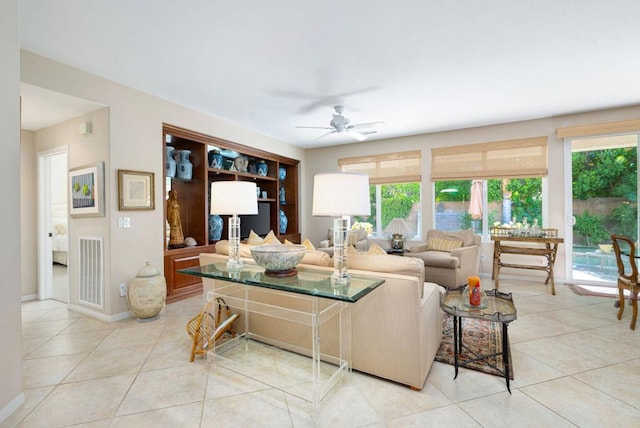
(91, 271)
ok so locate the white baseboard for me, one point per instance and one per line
(29, 297)
(11, 406)
(99, 315)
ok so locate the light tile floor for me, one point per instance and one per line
(575, 365)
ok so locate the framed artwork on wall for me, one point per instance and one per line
(86, 191)
(135, 190)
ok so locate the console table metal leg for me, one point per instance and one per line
(505, 354)
(456, 344)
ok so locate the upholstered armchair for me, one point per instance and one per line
(449, 257)
(357, 238)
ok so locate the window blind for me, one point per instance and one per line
(401, 167)
(526, 157)
(599, 129)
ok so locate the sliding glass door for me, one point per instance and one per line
(604, 188)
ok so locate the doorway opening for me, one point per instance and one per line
(604, 189)
(53, 225)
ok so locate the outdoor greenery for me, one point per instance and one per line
(397, 200)
(589, 230)
(606, 174)
(610, 173)
(526, 197)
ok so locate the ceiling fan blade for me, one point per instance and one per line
(362, 125)
(324, 135)
(358, 136)
(314, 127)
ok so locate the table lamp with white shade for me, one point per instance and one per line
(337, 195)
(233, 198)
(398, 229)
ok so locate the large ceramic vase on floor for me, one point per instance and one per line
(146, 293)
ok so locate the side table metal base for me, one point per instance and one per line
(458, 345)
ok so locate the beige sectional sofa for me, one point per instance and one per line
(449, 257)
(395, 330)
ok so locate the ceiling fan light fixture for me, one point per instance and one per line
(341, 124)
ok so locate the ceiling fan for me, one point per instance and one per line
(340, 124)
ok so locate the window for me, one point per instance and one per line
(486, 184)
(395, 192)
(463, 204)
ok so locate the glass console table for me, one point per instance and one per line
(303, 306)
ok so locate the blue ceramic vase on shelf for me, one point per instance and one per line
(170, 165)
(283, 222)
(184, 166)
(282, 173)
(215, 227)
(215, 159)
(262, 168)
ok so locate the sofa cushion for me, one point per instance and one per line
(442, 244)
(418, 248)
(316, 258)
(439, 259)
(386, 263)
(466, 236)
(222, 247)
(376, 249)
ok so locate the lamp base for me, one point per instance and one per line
(234, 265)
(340, 276)
(340, 279)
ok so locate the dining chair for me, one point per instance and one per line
(625, 249)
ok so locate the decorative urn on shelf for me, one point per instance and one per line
(170, 166)
(283, 222)
(215, 227)
(262, 168)
(184, 166)
(146, 293)
(215, 159)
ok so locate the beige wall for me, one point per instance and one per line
(29, 214)
(11, 396)
(134, 142)
(326, 159)
(82, 150)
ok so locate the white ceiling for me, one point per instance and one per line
(42, 108)
(418, 65)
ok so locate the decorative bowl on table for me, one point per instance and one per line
(278, 260)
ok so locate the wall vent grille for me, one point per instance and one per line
(91, 271)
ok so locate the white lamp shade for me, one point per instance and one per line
(233, 197)
(398, 226)
(341, 193)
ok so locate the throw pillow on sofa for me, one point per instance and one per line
(442, 244)
(376, 249)
(466, 236)
(255, 239)
(307, 244)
